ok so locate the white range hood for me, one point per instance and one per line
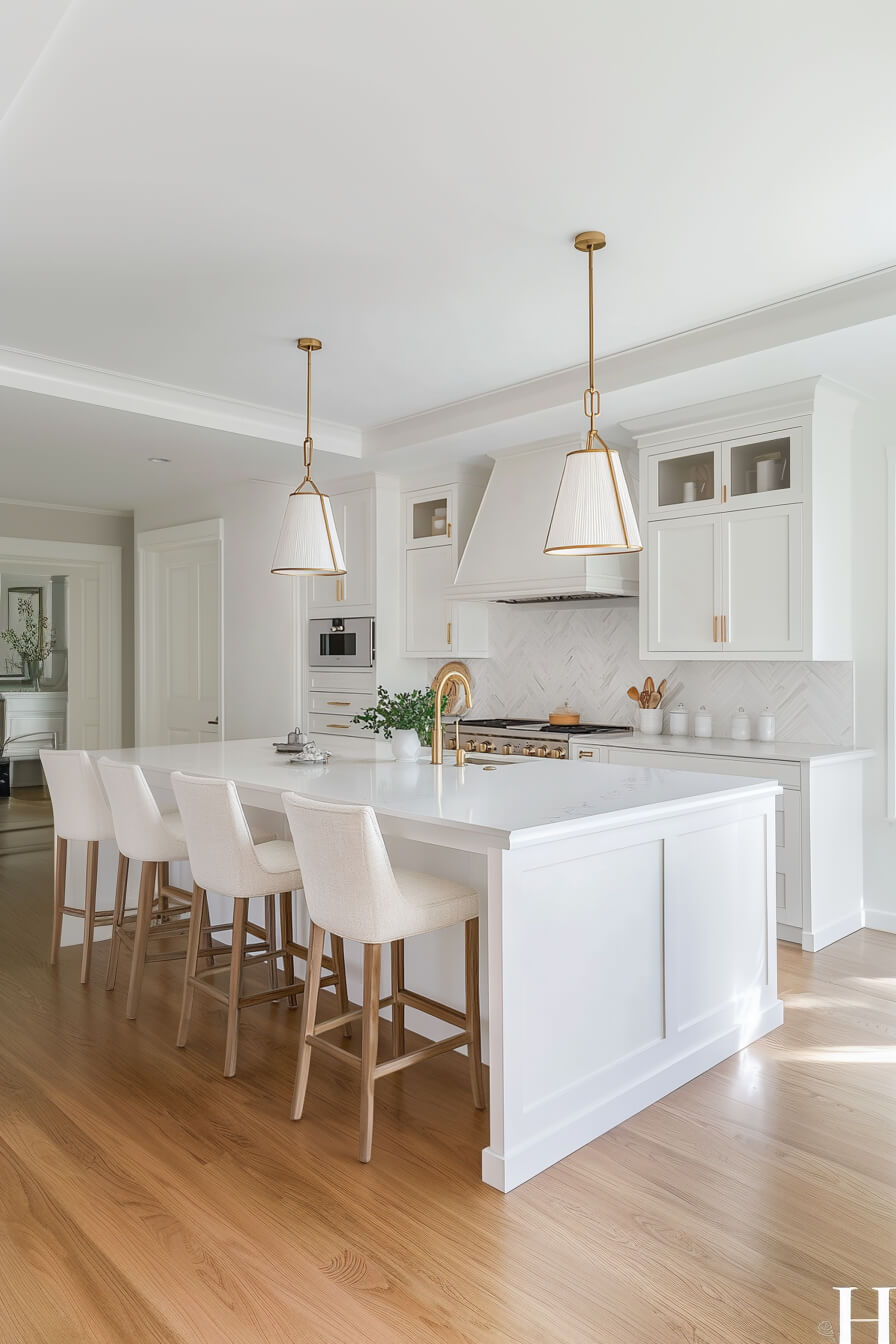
(504, 559)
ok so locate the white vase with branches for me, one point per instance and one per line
(33, 642)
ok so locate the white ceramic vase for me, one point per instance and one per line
(650, 721)
(405, 744)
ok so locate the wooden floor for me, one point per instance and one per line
(145, 1198)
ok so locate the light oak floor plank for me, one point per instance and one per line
(143, 1197)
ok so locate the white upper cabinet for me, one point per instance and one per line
(435, 625)
(353, 593)
(685, 583)
(747, 505)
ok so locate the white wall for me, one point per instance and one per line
(260, 690)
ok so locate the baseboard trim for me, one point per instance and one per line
(884, 921)
(833, 932)
(506, 1172)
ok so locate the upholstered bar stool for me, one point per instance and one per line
(224, 857)
(80, 812)
(154, 839)
(353, 891)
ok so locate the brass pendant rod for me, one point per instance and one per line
(591, 335)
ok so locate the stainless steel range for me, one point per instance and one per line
(522, 737)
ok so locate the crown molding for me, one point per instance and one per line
(29, 372)
(864, 298)
(65, 508)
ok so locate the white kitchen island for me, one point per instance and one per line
(629, 916)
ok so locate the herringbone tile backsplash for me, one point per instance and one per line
(544, 655)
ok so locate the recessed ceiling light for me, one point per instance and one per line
(158, 459)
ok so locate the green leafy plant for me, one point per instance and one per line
(32, 643)
(403, 710)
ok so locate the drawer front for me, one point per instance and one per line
(785, 772)
(338, 702)
(355, 683)
(339, 725)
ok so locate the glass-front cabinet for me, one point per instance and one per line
(430, 518)
(749, 472)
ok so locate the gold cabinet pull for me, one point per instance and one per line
(448, 633)
(724, 630)
(724, 494)
(347, 704)
(448, 530)
(583, 754)
(337, 725)
(715, 629)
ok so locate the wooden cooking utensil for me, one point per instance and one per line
(634, 694)
(654, 701)
(642, 699)
(649, 687)
(661, 689)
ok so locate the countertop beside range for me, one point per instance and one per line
(729, 746)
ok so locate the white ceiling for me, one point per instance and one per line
(187, 187)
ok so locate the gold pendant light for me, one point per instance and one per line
(593, 513)
(308, 543)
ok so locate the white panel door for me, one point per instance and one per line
(762, 555)
(428, 572)
(180, 638)
(684, 587)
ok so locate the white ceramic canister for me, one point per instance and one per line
(650, 721)
(703, 722)
(766, 725)
(740, 725)
(678, 721)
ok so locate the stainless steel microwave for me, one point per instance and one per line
(341, 641)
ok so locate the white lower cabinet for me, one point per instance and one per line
(818, 828)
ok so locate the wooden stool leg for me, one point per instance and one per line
(93, 852)
(194, 937)
(164, 881)
(370, 1025)
(289, 963)
(397, 1008)
(270, 933)
(308, 1019)
(237, 953)
(58, 897)
(474, 1026)
(141, 936)
(207, 942)
(121, 894)
(338, 949)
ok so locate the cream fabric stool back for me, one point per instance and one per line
(143, 833)
(353, 891)
(80, 812)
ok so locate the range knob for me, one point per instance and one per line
(451, 743)
(507, 750)
(541, 751)
(530, 749)
(488, 746)
(557, 753)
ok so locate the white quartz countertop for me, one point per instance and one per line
(517, 803)
(725, 746)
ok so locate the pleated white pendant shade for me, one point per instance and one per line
(308, 543)
(592, 514)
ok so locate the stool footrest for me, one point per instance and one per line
(418, 1056)
(408, 999)
(334, 1051)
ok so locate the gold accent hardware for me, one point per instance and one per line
(489, 767)
(556, 753)
(724, 494)
(461, 756)
(724, 629)
(337, 725)
(583, 754)
(347, 704)
(507, 751)
(309, 344)
(591, 241)
(541, 751)
(448, 530)
(448, 633)
(451, 673)
(530, 750)
(715, 629)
